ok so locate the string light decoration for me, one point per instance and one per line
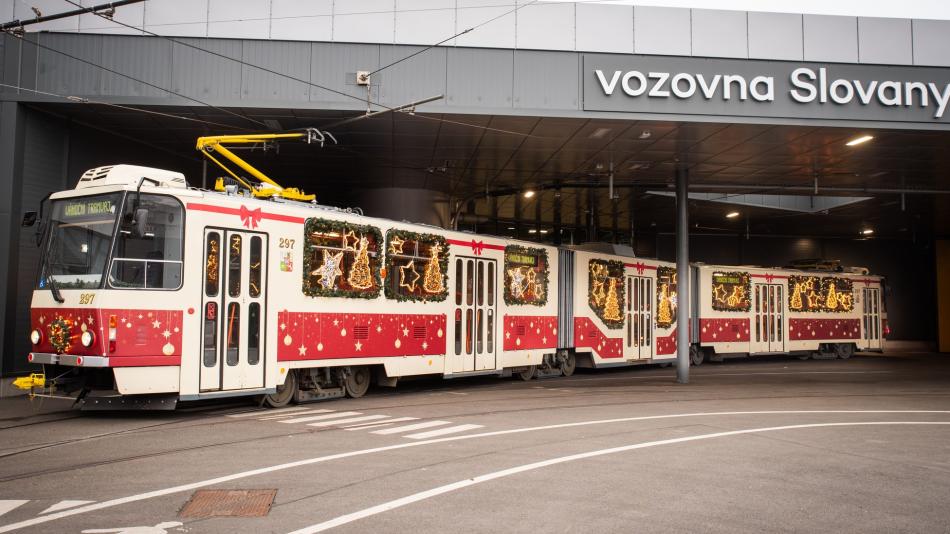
(433, 281)
(827, 294)
(211, 267)
(526, 276)
(666, 297)
(361, 276)
(606, 291)
(337, 247)
(59, 334)
(404, 247)
(731, 291)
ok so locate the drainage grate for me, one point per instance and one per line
(229, 503)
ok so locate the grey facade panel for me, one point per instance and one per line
(885, 41)
(147, 60)
(201, 75)
(931, 42)
(469, 82)
(414, 79)
(828, 38)
(775, 36)
(661, 30)
(335, 65)
(285, 57)
(719, 33)
(546, 80)
(63, 74)
(604, 28)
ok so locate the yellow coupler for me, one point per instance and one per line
(35, 380)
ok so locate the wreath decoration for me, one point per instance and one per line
(396, 241)
(533, 290)
(606, 291)
(59, 334)
(314, 260)
(731, 291)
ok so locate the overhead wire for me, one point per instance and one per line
(301, 80)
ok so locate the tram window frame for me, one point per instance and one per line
(125, 220)
(232, 342)
(253, 333)
(255, 267)
(213, 236)
(234, 265)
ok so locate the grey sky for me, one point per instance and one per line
(911, 9)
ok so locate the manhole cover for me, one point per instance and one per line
(229, 503)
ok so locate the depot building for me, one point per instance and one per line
(802, 136)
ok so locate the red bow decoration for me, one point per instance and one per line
(639, 267)
(250, 218)
(477, 247)
(769, 278)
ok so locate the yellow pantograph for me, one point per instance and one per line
(213, 146)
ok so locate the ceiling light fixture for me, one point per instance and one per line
(544, 231)
(867, 231)
(859, 140)
(732, 214)
(529, 193)
(600, 132)
(532, 231)
(511, 227)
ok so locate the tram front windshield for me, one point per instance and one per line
(79, 240)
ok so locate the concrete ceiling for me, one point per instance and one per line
(469, 155)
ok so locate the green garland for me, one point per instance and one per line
(311, 285)
(744, 280)
(59, 334)
(542, 255)
(614, 269)
(392, 275)
(666, 273)
(843, 287)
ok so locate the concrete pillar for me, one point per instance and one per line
(11, 170)
(682, 275)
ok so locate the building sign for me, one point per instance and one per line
(676, 85)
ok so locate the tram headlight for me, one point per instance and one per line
(87, 338)
(36, 337)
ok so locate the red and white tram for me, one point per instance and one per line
(151, 292)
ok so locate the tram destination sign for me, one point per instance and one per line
(753, 88)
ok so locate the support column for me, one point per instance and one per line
(682, 275)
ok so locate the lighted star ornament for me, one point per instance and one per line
(517, 286)
(395, 245)
(412, 275)
(330, 269)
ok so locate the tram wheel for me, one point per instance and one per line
(844, 350)
(528, 373)
(696, 355)
(569, 364)
(357, 381)
(285, 392)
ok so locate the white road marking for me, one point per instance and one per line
(6, 506)
(416, 426)
(318, 417)
(161, 528)
(416, 497)
(333, 422)
(265, 412)
(698, 374)
(388, 422)
(362, 452)
(62, 505)
(443, 431)
(294, 414)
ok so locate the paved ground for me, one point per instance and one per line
(774, 444)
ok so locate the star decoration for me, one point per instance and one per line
(720, 293)
(330, 269)
(359, 346)
(379, 329)
(302, 350)
(517, 286)
(167, 334)
(336, 322)
(283, 326)
(156, 324)
(91, 320)
(812, 299)
(425, 345)
(395, 245)
(346, 240)
(405, 332)
(411, 285)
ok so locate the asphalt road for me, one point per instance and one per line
(773, 444)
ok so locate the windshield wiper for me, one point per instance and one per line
(57, 296)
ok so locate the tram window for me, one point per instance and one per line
(491, 284)
(234, 265)
(458, 331)
(468, 331)
(152, 260)
(210, 335)
(79, 241)
(212, 264)
(469, 281)
(481, 283)
(490, 328)
(254, 276)
(253, 333)
(233, 327)
(458, 282)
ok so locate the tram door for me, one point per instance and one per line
(639, 317)
(475, 321)
(233, 311)
(871, 312)
(768, 317)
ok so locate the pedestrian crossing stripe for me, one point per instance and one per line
(353, 421)
(12, 504)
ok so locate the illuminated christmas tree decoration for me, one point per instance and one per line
(606, 291)
(666, 297)
(795, 302)
(664, 313)
(361, 277)
(329, 270)
(413, 276)
(611, 305)
(831, 300)
(432, 283)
